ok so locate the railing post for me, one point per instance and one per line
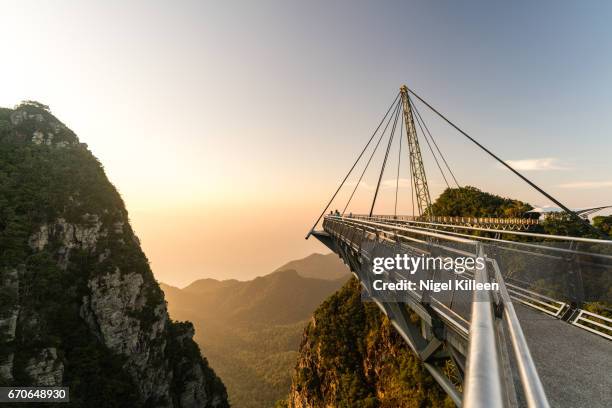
(574, 279)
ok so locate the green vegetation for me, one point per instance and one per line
(470, 201)
(563, 224)
(255, 362)
(49, 179)
(250, 331)
(604, 223)
(351, 356)
(38, 183)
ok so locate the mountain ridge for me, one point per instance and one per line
(320, 266)
(250, 330)
(307, 267)
(260, 299)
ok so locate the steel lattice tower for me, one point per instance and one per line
(417, 170)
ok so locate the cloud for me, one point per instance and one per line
(545, 163)
(587, 184)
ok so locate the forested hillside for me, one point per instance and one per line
(250, 331)
(470, 201)
(351, 356)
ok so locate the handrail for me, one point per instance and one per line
(469, 219)
(483, 381)
(532, 386)
(429, 234)
(508, 232)
(393, 233)
(517, 243)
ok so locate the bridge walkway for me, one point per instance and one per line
(575, 366)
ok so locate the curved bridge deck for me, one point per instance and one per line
(531, 350)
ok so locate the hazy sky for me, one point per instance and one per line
(227, 125)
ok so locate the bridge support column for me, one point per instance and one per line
(401, 320)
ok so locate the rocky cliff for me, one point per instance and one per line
(351, 356)
(79, 305)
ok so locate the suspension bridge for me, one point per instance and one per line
(542, 338)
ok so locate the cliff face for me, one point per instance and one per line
(351, 356)
(79, 305)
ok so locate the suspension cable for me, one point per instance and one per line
(525, 179)
(371, 156)
(434, 142)
(384, 164)
(352, 167)
(430, 148)
(412, 192)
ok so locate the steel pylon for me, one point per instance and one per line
(417, 170)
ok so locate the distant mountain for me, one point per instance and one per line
(318, 266)
(209, 285)
(250, 330)
(282, 297)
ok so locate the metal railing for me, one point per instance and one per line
(530, 380)
(354, 233)
(536, 300)
(408, 220)
(512, 223)
(588, 253)
(483, 385)
(483, 382)
(594, 323)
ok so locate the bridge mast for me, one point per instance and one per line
(419, 179)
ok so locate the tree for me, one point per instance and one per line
(604, 223)
(470, 201)
(34, 104)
